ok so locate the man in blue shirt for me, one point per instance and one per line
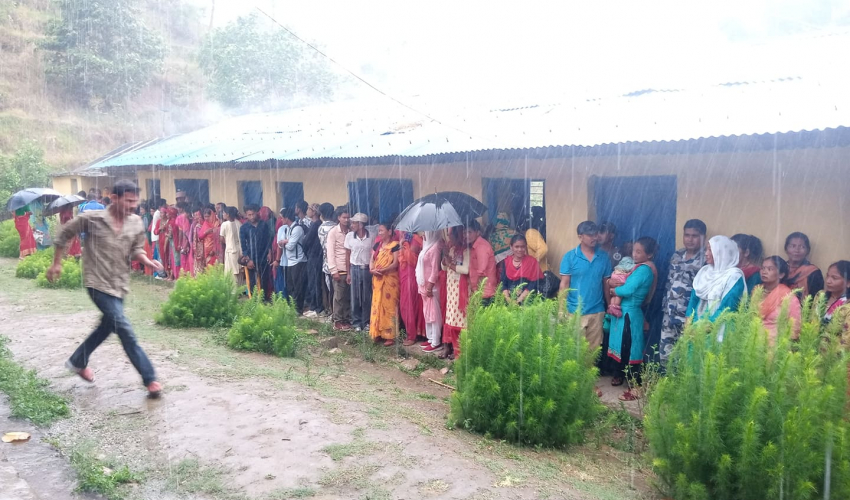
(584, 270)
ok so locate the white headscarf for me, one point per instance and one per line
(713, 282)
(431, 238)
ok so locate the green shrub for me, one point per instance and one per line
(34, 264)
(525, 375)
(744, 420)
(71, 277)
(265, 328)
(10, 240)
(209, 299)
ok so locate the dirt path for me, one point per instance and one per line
(271, 428)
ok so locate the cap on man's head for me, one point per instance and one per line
(588, 227)
(360, 217)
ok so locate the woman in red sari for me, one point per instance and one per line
(65, 216)
(410, 302)
(521, 274)
(22, 224)
(196, 246)
(210, 235)
(801, 272)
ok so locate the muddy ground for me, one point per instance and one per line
(242, 425)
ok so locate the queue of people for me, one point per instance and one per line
(364, 275)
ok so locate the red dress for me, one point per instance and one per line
(74, 250)
(22, 224)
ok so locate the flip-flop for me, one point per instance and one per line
(389, 343)
(629, 396)
(617, 381)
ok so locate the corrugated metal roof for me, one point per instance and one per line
(374, 129)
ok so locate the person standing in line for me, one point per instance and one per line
(410, 302)
(293, 261)
(803, 273)
(302, 213)
(775, 283)
(384, 269)
(313, 249)
(720, 284)
(183, 239)
(338, 266)
(66, 215)
(231, 248)
(584, 271)
(117, 235)
(326, 212)
(455, 263)
(482, 263)
(197, 252)
(359, 243)
(211, 234)
(607, 235)
(161, 205)
(427, 279)
(751, 253)
(684, 266)
(256, 242)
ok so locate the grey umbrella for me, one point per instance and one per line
(439, 211)
(56, 206)
(26, 196)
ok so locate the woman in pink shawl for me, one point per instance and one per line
(427, 278)
(183, 240)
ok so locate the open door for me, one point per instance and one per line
(642, 206)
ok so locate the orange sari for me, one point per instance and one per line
(385, 295)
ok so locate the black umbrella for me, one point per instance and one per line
(29, 195)
(439, 211)
(62, 202)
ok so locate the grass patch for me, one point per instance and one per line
(355, 448)
(103, 478)
(29, 396)
(356, 475)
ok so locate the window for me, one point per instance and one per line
(250, 193)
(290, 193)
(197, 190)
(381, 199)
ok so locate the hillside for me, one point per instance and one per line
(72, 134)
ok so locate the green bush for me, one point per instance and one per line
(209, 299)
(71, 277)
(265, 328)
(525, 375)
(34, 264)
(743, 420)
(10, 240)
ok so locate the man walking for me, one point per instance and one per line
(338, 267)
(684, 265)
(293, 260)
(359, 242)
(256, 242)
(583, 272)
(116, 235)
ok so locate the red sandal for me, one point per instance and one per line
(629, 396)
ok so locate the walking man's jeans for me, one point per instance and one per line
(361, 296)
(113, 321)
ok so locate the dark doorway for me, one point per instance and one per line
(642, 206)
(197, 190)
(251, 193)
(517, 198)
(383, 199)
(290, 193)
(152, 189)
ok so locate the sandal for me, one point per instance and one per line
(389, 343)
(617, 381)
(629, 396)
(408, 343)
(598, 392)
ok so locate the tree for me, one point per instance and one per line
(101, 52)
(25, 169)
(248, 63)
